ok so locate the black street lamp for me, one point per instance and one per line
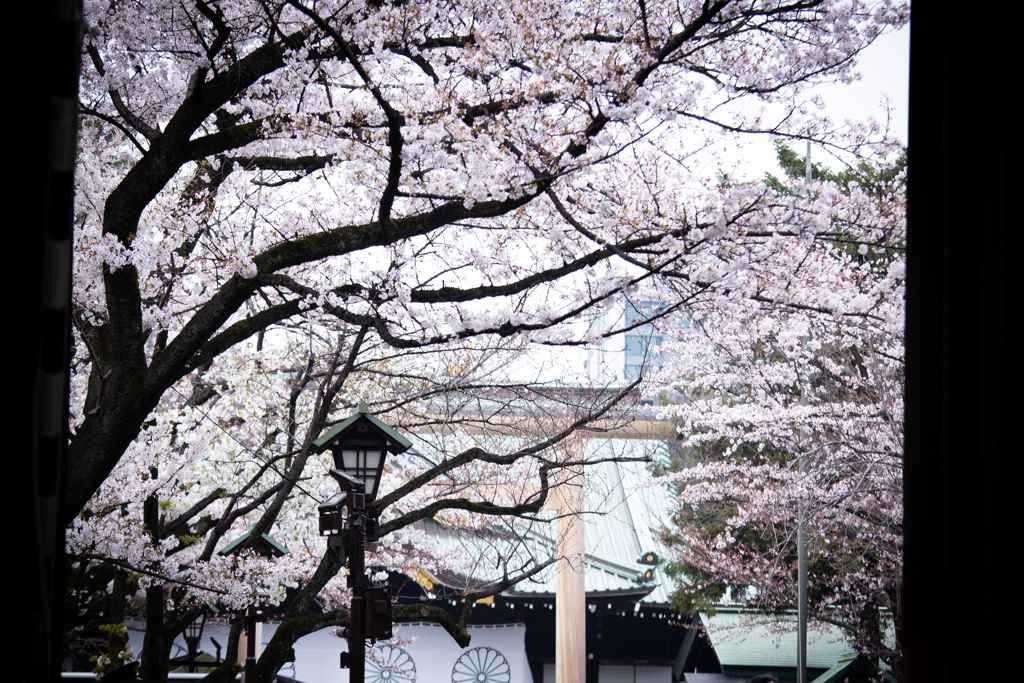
(359, 446)
(266, 547)
(193, 634)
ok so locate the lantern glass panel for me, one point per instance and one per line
(363, 464)
(195, 629)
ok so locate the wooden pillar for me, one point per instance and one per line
(243, 643)
(570, 595)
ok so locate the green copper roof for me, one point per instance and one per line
(846, 665)
(396, 442)
(271, 545)
(743, 638)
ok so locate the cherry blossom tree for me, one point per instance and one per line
(235, 458)
(285, 207)
(791, 381)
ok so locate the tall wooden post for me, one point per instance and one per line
(249, 642)
(570, 591)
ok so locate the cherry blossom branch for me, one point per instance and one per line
(395, 119)
(133, 120)
(145, 572)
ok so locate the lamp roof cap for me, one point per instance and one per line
(394, 442)
(264, 545)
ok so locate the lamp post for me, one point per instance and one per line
(264, 546)
(359, 446)
(193, 634)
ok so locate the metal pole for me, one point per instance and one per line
(250, 643)
(801, 643)
(358, 583)
(801, 538)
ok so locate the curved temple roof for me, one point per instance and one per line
(620, 517)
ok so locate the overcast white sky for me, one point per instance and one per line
(884, 69)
